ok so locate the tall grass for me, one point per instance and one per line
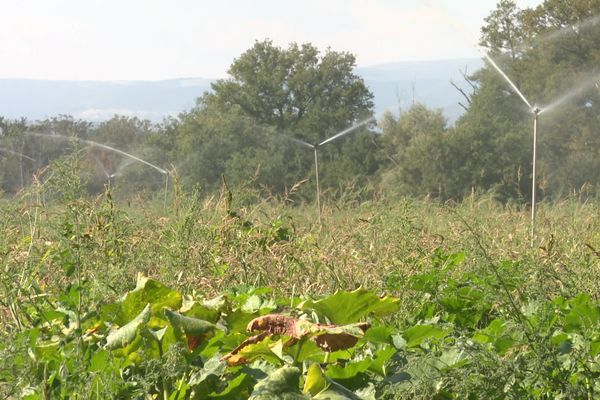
(211, 244)
(57, 241)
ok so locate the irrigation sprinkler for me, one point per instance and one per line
(315, 147)
(109, 148)
(536, 111)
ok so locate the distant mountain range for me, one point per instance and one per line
(395, 86)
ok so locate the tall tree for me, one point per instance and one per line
(239, 128)
(414, 144)
(551, 52)
(296, 89)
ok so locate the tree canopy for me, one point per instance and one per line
(297, 89)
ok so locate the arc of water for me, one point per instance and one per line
(15, 153)
(302, 142)
(507, 79)
(99, 163)
(554, 34)
(572, 94)
(349, 130)
(90, 142)
(104, 146)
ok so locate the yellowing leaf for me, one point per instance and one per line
(315, 382)
(127, 333)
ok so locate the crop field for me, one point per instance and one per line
(201, 298)
(305, 223)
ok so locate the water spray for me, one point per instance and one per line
(536, 111)
(316, 146)
(15, 153)
(510, 82)
(109, 148)
(576, 28)
(573, 93)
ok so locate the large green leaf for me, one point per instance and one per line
(207, 379)
(238, 320)
(188, 325)
(380, 334)
(237, 388)
(349, 370)
(381, 359)
(583, 314)
(494, 334)
(304, 350)
(200, 310)
(99, 361)
(333, 394)
(421, 333)
(321, 387)
(347, 307)
(147, 291)
(282, 384)
(127, 333)
(315, 381)
(465, 306)
(267, 349)
(213, 366)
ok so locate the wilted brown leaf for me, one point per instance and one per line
(331, 342)
(329, 338)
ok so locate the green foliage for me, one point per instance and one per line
(474, 309)
(239, 132)
(296, 89)
(75, 324)
(346, 307)
(119, 343)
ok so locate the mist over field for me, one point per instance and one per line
(307, 225)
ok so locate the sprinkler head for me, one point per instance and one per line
(536, 110)
(372, 123)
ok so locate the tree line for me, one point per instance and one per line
(241, 132)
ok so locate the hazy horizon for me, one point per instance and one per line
(155, 40)
(394, 85)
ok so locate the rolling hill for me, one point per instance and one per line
(395, 86)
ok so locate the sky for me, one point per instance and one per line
(113, 40)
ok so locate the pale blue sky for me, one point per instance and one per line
(162, 39)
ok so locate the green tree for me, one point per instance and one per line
(413, 144)
(208, 138)
(296, 89)
(240, 128)
(14, 166)
(551, 52)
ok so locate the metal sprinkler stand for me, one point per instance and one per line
(316, 146)
(536, 113)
